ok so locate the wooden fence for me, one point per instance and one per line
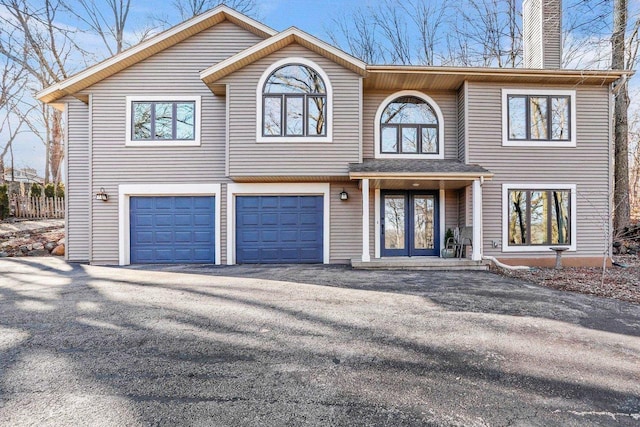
(37, 207)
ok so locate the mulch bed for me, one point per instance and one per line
(622, 283)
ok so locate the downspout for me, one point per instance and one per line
(504, 266)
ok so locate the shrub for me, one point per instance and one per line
(50, 190)
(35, 191)
(4, 202)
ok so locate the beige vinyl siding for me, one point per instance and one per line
(451, 208)
(174, 71)
(461, 124)
(552, 34)
(250, 158)
(586, 165)
(448, 103)
(78, 194)
(346, 223)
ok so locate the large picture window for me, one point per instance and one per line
(294, 103)
(539, 217)
(409, 125)
(157, 120)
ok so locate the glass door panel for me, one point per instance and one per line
(394, 222)
(423, 227)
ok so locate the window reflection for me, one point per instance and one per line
(295, 103)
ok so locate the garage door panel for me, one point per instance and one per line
(277, 235)
(164, 220)
(269, 219)
(163, 203)
(172, 229)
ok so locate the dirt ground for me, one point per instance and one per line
(619, 282)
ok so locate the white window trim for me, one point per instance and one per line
(537, 143)
(278, 189)
(129, 142)
(534, 186)
(295, 139)
(376, 127)
(125, 191)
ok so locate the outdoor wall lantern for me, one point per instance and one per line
(344, 195)
(102, 195)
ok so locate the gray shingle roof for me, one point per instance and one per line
(416, 166)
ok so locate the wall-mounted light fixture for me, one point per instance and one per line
(344, 195)
(102, 195)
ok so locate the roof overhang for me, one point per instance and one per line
(385, 77)
(275, 43)
(418, 174)
(150, 47)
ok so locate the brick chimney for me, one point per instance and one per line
(542, 33)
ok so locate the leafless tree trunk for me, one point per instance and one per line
(621, 168)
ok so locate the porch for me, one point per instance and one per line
(405, 225)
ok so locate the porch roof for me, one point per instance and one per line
(418, 168)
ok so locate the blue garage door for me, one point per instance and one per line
(172, 229)
(279, 229)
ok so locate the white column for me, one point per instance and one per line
(477, 221)
(365, 220)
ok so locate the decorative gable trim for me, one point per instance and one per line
(275, 43)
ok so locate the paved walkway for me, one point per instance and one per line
(313, 345)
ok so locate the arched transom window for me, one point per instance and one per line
(409, 125)
(294, 103)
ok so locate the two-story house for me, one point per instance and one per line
(223, 141)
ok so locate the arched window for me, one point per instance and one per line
(409, 125)
(294, 103)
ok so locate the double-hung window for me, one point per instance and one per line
(538, 216)
(538, 118)
(163, 121)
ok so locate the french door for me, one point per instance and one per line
(409, 223)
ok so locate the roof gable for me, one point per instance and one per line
(275, 43)
(149, 48)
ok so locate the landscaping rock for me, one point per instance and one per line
(50, 245)
(58, 250)
(3, 254)
(24, 249)
(61, 241)
(37, 246)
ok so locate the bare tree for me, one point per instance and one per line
(621, 169)
(36, 44)
(190, 8)
(491, 34)
(106, 18)
(360, 35)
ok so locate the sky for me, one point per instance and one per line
(313, 16)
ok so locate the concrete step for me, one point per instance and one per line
(420, 263)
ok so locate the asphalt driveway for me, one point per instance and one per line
(278, 346)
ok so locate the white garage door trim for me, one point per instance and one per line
(280, 189)
(125, 191)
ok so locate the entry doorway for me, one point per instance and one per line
(409, 223)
